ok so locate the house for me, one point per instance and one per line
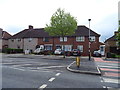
(0, 39)
(4, 36)
(32, 38)
(111, 44)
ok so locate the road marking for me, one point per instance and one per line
(39, 71)
(57, 74)
(106, 69)
(108, 66)
(101, 60)
(43, 86)
(18, 65)
(111, 74)
(109, 87)
(19, 69)
(110, 80)
(104, 87)
(51, 79)
(49, 67)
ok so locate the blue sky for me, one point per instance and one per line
(16, 15)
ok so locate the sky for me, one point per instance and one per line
(16, 15)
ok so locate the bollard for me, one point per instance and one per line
(78, 62)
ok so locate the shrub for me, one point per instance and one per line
(111, 55)
(12, 50)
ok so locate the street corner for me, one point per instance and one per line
(84, 69)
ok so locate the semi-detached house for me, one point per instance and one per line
(31, 38)
(4, 36)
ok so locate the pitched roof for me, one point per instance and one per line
(33, 33)
(39, 32)
(101, 43)
(113, 38)
(5, 35)
(84, 31)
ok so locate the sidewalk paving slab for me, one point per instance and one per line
(86, 67)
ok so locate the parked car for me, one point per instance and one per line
(58, 51)
(76, 52)
(97, 53)
(39, 51)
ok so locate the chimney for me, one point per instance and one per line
(30, 27)
(115, 33)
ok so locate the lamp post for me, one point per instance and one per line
(89, 41)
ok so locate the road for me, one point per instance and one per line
(111, 71)
(44, 73)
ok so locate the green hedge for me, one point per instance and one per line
(12, 50)
(110, 55)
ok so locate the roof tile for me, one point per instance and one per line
(39, 32)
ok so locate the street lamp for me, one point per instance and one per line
(89, 41)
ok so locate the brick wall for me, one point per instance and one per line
(72, 41)
(109, 44)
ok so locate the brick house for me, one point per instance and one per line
(111, 44)
(31, 38)
(4, 36)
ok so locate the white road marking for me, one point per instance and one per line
(49, 67)
(57, 74)
(109, 80)
(51, 79)
(109, 66)
(109, 87)
(39, 70)
(43, 86)
(104, 87)
(19, 69)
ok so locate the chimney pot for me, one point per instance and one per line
(30, 27)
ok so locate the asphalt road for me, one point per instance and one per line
(44, 73)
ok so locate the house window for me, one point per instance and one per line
(48, 47)
(12, 40)
(68, 47)
(80, 39)
(46, 39)
(80, 47)
(92, 38)
(19, 40)
(61, 39)
(30, 39)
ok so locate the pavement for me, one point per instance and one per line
(32, 56)
(86, 66)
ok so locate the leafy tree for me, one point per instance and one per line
(61, 24)
(118, 37)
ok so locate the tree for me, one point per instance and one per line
(61, 24)
(118, 37)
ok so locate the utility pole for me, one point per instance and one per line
(89, 41)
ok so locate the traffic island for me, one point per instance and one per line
(86, 67)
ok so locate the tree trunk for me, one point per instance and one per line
(53, 47)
